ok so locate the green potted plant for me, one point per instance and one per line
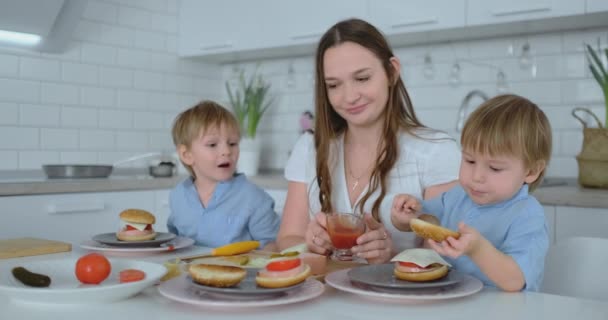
(249, 100)
(593, 158)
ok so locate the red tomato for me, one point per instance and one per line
(131, 275)
(283, 265)
(93, 268)
(410, 265)
(148, 227)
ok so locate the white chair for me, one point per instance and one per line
(577, 267)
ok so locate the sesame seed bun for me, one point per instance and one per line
(137, 216)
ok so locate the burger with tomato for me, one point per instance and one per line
(419, 265)
(136, 225)
(282, 272)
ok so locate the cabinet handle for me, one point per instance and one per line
(217, 46)
(306, 36)
(411, 23)
(513, 12)
(74, 207)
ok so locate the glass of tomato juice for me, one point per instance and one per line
(344, 229)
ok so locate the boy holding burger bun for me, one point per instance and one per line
(136, 225)
(502, 235)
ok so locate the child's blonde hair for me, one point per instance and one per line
(510, 125)
(197, 120)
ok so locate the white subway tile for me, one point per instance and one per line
(162, 61)
(206, 86)
(78, 157)
(148, 80)
(39, 115)
(573, 66)
(160, 141)
(39, 69)
(562, 166)
(164, 101)
(9, 112)
(133, 58)
(19, 90)
(109, 157)
(94, 96)
(173, 6)
(152, 5)
(10, 160)
(540, 92)
(539, 44)
(88, 31)
(101, 11)
(150, 40)
(95, 53)
(35, 159)
(581, 91)
(148, 120)
(58, 93)
(96, 140)
(573, 41)
(115, 119)
(571, 142)
(59, 139)
(133, 17)
(115, 77)
(176, 83)
(117, 35)
(190, 100)
(9, 65)
(19, 138)
(493, 48)
(132, 99)
(70, 53)
(126, 140)
(79, 73)
(78, 117)
(447, 120)
(172, 43)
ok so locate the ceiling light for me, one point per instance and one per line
(19, 38)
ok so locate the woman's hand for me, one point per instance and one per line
(376, 244)
(317, 238)
(466, 244)
(404, 209)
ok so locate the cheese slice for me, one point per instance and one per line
(300, 248)
(421, 257)
(138, 226)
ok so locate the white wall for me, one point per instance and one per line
(112, 94)
(562, 82)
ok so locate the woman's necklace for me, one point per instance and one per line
(356, 183)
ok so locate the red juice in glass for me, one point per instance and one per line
(343, 230)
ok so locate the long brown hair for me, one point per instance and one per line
(329, 124)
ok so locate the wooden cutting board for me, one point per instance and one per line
(23, 247)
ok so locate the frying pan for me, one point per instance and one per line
(80, 171)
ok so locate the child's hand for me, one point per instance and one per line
(467, 243)
(404, 209)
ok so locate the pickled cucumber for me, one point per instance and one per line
(31, 279)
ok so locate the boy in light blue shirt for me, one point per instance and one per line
(216, 206)
(506, 146)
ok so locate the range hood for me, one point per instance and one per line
(53, 20)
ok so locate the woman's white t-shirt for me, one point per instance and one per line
(423, 162)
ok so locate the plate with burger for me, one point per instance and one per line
(136, 230)
(412, 269)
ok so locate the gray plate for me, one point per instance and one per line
(110, 239)
(245, 287)
(382, 276)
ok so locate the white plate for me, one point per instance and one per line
(381, 276)
(175, 244)
(468, 286)
(180, 289)
(111, 240)
(65, 287)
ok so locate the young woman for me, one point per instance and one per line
(367, 143)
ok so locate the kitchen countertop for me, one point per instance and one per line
(554, 191)
(34, 182)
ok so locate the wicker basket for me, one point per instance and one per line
(593, 159)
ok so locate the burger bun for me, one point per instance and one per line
(428, 230)
(217, 275)
(282, 282)
(438, 271)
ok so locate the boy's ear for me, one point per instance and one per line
(184, 154)
(535, 171)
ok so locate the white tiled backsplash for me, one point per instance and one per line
(116, 90)
(114, 93)
(562, 82)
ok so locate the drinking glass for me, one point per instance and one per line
(344, 229)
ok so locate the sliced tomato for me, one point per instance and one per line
(283, 265)
(131, 275)
(148, 227)
(129, 228)
(410, 265)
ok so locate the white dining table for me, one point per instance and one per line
(332, 304)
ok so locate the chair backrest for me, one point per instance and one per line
(577, 267)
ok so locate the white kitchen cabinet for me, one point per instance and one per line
(70, 217)
(396, 16)
(580, 222)
(550, 216)
(596, 6)
(484, 12)
(211, 27)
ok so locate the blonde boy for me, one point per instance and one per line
(506, 146)
(215, 205)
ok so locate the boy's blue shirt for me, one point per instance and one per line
(517, 227)
(237, 211)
